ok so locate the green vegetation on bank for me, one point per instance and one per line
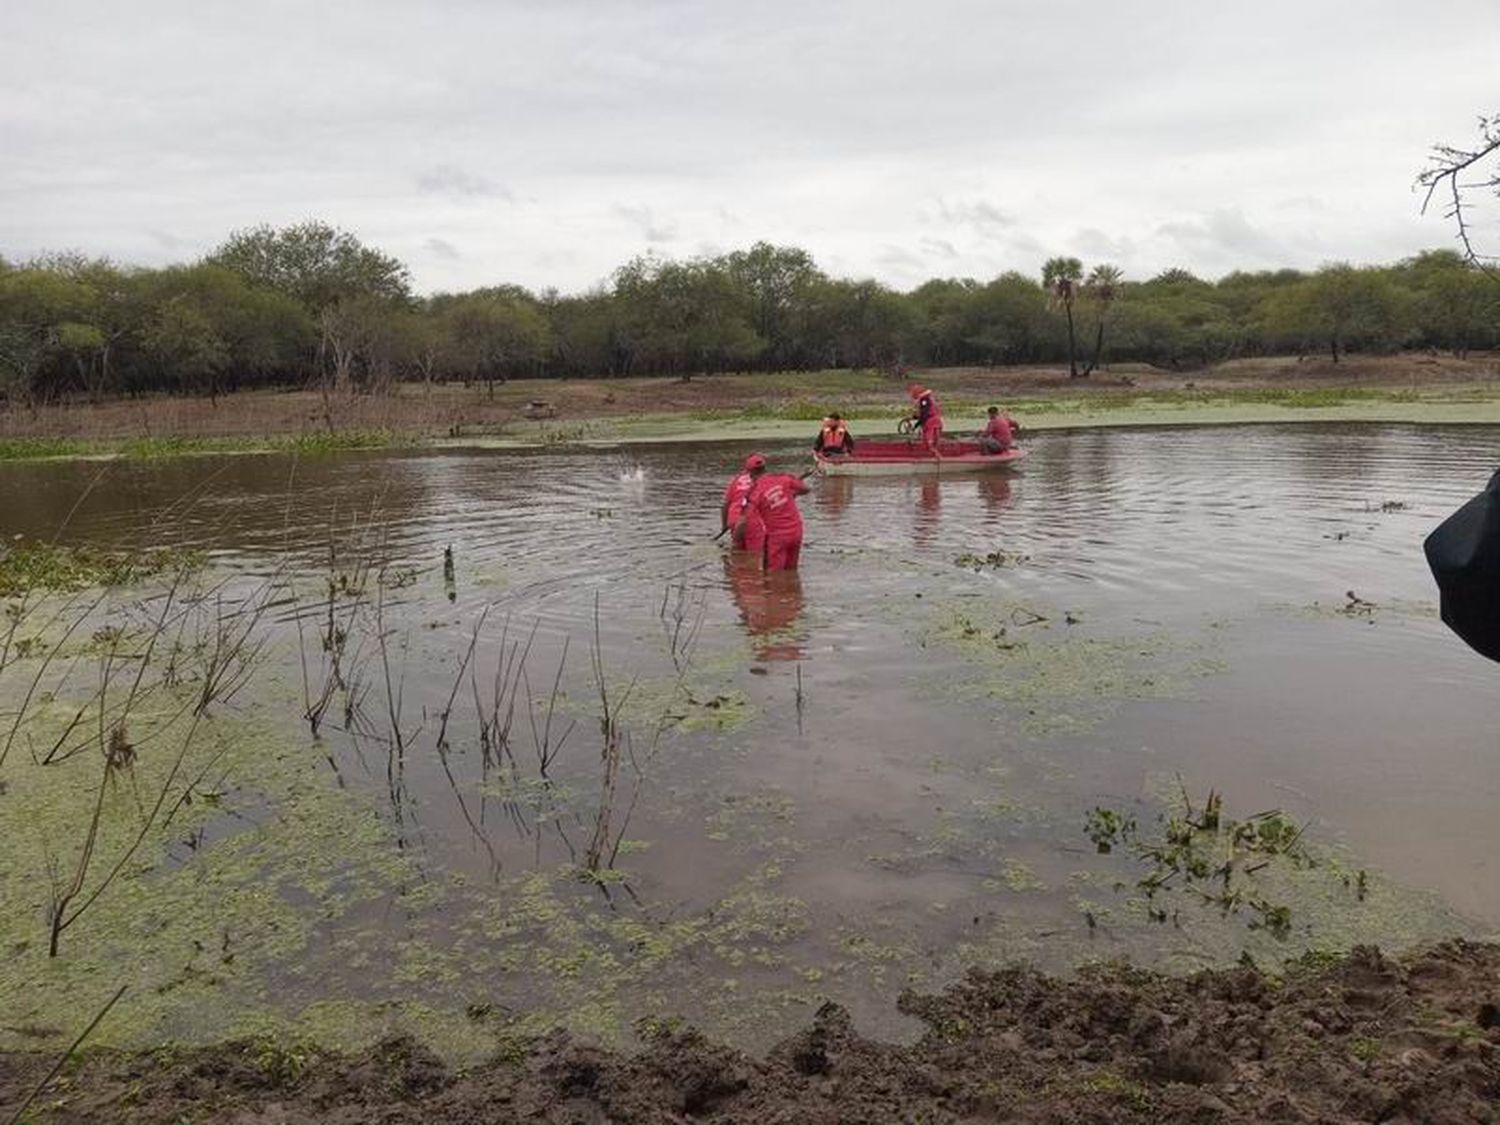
(315, 442)
(795, 418)
(310, 305)
(147, 448)
(971, 405)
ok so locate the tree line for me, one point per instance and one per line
(311, 304)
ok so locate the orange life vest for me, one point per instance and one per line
(834, 435)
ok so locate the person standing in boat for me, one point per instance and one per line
(834, 439)
(774, 500)
(999, 434)
(929, 418)
(749, 532)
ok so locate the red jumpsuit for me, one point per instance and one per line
(999, 432)
(774, 497)
(931, 419)
(753, 537)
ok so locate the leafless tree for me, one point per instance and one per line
(1460, 177)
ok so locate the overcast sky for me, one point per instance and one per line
(547, 142)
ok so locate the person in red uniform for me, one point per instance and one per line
(929, 417)
(999, 434)
(749, 534)
(774, 499)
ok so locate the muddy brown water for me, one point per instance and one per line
(924, 804)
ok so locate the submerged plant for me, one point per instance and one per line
(1214, 857)
(1107, 828)
(995, 560)
(28, 566)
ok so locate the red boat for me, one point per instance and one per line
(907, 455)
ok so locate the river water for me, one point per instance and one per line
(871, 772)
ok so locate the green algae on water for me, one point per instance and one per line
(29, 566)
(1063, 683)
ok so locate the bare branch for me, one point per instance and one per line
(1446, 166)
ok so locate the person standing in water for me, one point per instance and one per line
(774, 500)
(749, 532)
(929, 417)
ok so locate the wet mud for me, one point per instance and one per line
(1364, 1037)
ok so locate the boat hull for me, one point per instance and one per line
(881, 459)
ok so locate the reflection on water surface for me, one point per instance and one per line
(875, 769)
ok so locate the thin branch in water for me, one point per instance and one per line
(41, 672)
(66, 1055)
(801, 698)
(442, 735)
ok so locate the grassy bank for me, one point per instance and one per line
(178, 445)
(756, 407)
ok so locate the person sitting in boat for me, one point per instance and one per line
(749, 533)
(999, 434)
(834, 438)
(929, 418)
(774, 500)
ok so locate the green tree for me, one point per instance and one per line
(1460, 310)
(420, 340)
(1455, 305)
(684, 316)
(43, 318)
(1007, 321)
(490, 332)
(357, 337)
(1060, 277)
(182, 337)
(265, 335)
(1338, 307)
(83, 342)
(585, 333)
(103, 325)
(1177, 319)
(942, 312)
(1101, 288)
(313, 263)
(346, 286)
(779, 281)
(862, 324)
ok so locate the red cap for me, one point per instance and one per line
(754, 461)
(916, 390)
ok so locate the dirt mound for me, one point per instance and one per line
(1361, 1039)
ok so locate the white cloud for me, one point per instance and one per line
(549, 142)
(939, 248)
(446, 180)
(654, 230)
(983, 217)
(1222, 240)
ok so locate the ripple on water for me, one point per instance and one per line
(1200, 574)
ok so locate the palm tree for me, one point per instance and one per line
(1102, 285)
(1060, 278)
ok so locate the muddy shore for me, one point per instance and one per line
(550, 413)
(1357, 1038)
